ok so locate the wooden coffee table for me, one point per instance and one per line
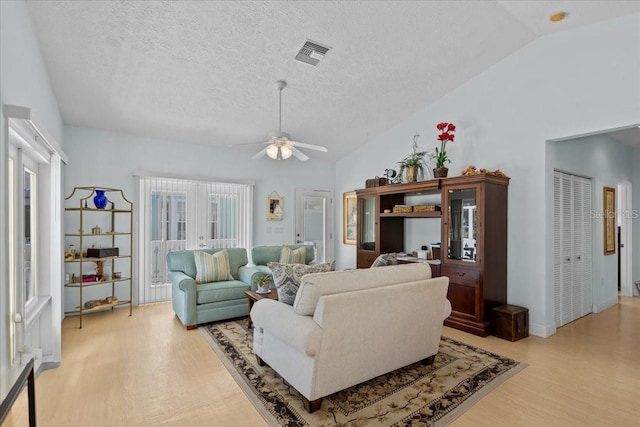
(254, 296)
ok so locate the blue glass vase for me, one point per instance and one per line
(100, 200)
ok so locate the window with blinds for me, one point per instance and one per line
(178, 214)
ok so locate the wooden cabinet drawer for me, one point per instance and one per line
(465, 276)
(366, 258)
(464, 300)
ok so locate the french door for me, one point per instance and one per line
(314, 221)
(179, 214)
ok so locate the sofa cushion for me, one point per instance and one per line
(221, 291)
(385, 259)
(287, 277)
(212, 267)
(293, 256)
(263, 255)
(184, 260)
(313, 286)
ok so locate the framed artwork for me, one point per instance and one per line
(609, 201)
(350, 218)
(275, 207)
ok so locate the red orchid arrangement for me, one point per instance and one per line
(446, 134)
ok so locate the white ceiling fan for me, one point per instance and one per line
(280, 146)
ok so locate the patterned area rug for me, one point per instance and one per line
(416, 395)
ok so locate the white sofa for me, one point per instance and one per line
(347, 327)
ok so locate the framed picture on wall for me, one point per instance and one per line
(350, 218)
(609, 202)
(275, 207)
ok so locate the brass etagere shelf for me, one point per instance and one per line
(81, 202)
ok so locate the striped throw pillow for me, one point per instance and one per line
(295, 256)
(212, 267)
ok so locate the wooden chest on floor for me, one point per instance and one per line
(510, 322)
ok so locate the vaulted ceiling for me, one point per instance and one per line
(204, 71)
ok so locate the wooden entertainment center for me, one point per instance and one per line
(473, 248)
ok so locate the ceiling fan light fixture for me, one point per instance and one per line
(285, 152)
(272, 151)
(280, 146)
(279, 151)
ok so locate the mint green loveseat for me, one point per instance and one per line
(262, 255)
(195, 304)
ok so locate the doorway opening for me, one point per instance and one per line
(624, 217)
(314, 221)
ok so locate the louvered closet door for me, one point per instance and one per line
(587, 251)
(572, 248)
(557, 247)
(577, 249)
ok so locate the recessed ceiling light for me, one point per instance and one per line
(557, 17)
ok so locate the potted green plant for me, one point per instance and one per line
(414, 164)
(263, 283)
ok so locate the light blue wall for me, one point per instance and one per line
(557, 86)
(109, 159)
(606, 162)
(636, 222)
(23, 81)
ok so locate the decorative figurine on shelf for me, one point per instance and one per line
(70, 253)
(100, 200)
(392, 176)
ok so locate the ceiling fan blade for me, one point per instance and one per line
(245, 144)
(261, 153)
(299, 154)
(309, 146)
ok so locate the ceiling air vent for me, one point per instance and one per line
(312, 52)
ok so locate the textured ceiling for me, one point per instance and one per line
(203, 71)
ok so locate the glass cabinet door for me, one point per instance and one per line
(367, 223)
(462, 230)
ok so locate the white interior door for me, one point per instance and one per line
(314, 221)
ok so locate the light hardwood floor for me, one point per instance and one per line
(147, 370)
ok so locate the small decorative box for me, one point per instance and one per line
(426, 208)
(375, 182)
(510, 322)
(402, 208)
